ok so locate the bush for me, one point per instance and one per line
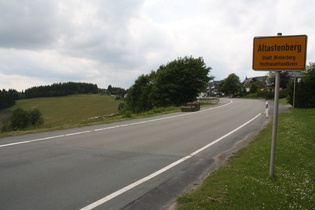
(251, 95)
(36, 117)
(124, 110)
(267, 94)
(270, 95)
(127, 114)
(283, 93)
(22, 119)
(122, 107)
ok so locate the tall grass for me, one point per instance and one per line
(244, 182)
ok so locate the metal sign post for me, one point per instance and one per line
(294, 92)
(274, 126)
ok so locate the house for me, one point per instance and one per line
(268, 82)
(212, 89)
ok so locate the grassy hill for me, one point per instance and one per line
(70, 109)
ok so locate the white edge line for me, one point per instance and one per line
(78, 133)
(109, 128)
(135, 184)
(30, 141)
(147, 178)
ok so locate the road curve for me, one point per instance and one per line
(143, 163)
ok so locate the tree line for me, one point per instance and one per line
(117, 91)
(61, 89)
(7, 98)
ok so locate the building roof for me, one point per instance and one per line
(248, 81)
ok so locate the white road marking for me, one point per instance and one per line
(78, 133)
(109, 128)
(31, 141)
(135, 184)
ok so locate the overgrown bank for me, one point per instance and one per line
(244, 182)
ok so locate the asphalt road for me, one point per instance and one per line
(136, 164)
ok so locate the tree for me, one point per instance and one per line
(253, 88)
(116, 91)
(305, 89)
(7, 98)
(232, 85)
(180, 81)
(257, 85)
(20, 119)
(109, 88)
(138, 96)
(284, 79)
(174, 84)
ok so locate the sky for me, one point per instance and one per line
(113, 42)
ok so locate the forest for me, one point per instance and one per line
(8, 98)
(61, 89)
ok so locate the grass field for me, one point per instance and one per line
(244, 182)
(77, 110)
(70, 109)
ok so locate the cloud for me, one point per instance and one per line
(27, 24)
(114, 42)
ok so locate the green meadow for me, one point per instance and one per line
(70, 109)
(78, 110)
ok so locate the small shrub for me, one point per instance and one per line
(36, 117)
(22, 119)
(251, 95)
(127, 114)
(124, 110)
(270, 95)
(122, 107)
(283, 93)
